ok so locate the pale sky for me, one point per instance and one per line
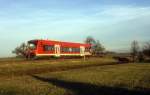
(114, 22)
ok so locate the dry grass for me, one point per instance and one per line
(94, 76)
(42, 66)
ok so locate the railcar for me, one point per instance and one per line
(51, 48)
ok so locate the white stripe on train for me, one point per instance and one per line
(62, 54)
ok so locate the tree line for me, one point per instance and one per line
(97, 49)
(138, 53)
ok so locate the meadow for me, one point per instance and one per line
(94, 76)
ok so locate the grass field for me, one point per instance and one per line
(95, 76)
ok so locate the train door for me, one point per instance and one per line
(82, 50)
(57, 50)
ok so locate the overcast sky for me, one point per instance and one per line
(114, 22)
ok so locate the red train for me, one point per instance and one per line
(56, 48)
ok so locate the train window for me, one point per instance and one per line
(66, 49)
(75, 49)
(48, 48)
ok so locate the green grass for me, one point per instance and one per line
(95, 76)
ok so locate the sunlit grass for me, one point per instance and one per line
(127, 76)
(30, 67)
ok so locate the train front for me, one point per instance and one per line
(31, 49)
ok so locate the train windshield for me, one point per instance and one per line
(32, 45)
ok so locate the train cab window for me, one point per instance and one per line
(32, 45)
(48, 48)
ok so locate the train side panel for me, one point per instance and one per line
(57, 48)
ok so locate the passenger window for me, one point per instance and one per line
(48, 48)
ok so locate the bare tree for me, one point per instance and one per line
(97, 47)
(134, 50)
(90, 40)
(146, 49)
(20, 50)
